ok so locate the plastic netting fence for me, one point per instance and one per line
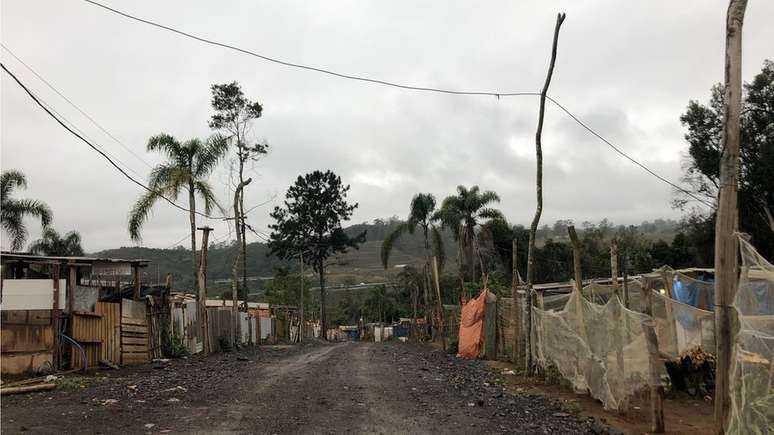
(599, 348)
(752, 376)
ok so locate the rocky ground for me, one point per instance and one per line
(338, 388)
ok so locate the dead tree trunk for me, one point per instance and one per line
(235, 266)
(539, 189)
(727, 215)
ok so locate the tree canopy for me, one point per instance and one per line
(310, 224)
(53, 244)
(756, 175)
(13, 211)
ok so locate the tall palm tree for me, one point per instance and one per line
(186, 169)
(51, 243)
(423, 215)
(13, 211)
(462, 213)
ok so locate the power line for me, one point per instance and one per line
(93, 121)
(308, 67)
(497, 94)
(619, 151)
(95, 148)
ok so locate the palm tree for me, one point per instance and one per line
(13, 211)
(51, 243)
(462, 213)
(422, 215)
(186, 169)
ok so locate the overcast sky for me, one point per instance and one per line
(627, 68)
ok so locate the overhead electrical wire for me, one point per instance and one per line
(96, 148)
(307, 67)
(82, 112)
(628, 157)
(497, 94)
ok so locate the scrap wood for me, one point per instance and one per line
(108, 364)
(26, 389)
(38, 379)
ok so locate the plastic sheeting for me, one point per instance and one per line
(599, 348)
(472, 326)
(694, 292)
(752, 375)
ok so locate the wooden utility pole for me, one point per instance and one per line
(539, 190)
(56, 314)
(726, 248)
(201, 295)
(135, 278)
(440, 325)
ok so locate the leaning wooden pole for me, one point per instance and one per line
(539, 190)
(726, 249)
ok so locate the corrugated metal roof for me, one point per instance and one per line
(7, 255)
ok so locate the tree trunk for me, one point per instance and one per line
(726, 249)
(323, 325)
(235, 266)
(192, 218)
(539, 190)
(202, 294)
(428, 318)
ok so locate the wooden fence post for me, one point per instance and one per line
(614, 268)
(726, 248)
(654, 360)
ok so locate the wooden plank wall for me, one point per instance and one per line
(134, 333)
(110, 330)
(87, 332)
(27, 343)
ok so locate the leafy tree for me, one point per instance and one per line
(52, 244)
(285, 289)
(186, 170)
(423, 215)
(310, 223)
(233, 116)
(13, 211)
(756, 175)
(463, 213)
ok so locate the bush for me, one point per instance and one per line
(453, 345)
(174, 347)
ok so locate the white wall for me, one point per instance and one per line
(32, 294)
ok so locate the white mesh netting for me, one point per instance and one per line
(599, 348)
(752, 376)
(680, 327)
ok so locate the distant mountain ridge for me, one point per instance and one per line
(355, 266)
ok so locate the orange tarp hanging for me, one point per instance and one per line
(472, 326)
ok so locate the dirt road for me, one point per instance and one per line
(381, 388)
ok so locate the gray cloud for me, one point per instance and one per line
(628, 71)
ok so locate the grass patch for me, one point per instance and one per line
(571, 407)
(78, 382)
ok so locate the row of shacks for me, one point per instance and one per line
(61, 313)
